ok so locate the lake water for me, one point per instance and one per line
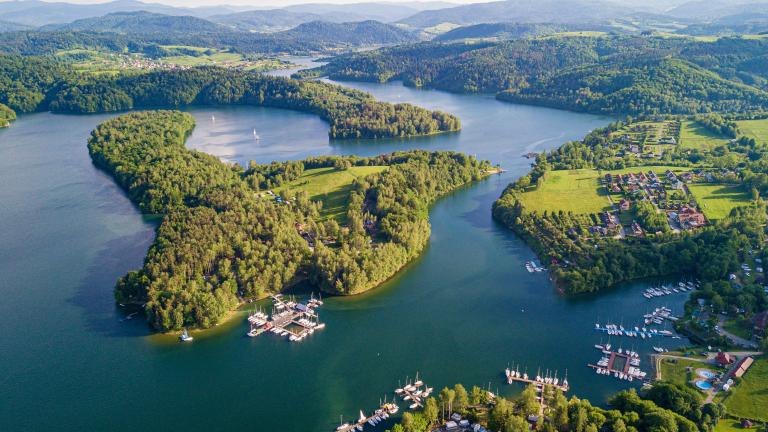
(461, 313)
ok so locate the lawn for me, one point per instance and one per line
(331, 186)
(717, 201)
(578, 191)
(749, 399)
(675, 370)
(757, 129)
(693, 135)
(729, 425)
(742, 329)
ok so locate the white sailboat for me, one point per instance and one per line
(185, 336)
(255, 135)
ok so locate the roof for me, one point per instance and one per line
(724, 358)
(742, 367)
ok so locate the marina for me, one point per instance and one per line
(533, 267)
(289, 318)
(622, 364)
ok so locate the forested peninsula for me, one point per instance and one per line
(7, 115)
(646, 197)
(226, 236)
(29, 84)
(604, 74)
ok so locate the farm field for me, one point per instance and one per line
(331, 186)
(717, 201)
(693, 135)
(728, 425)
(757, 129)
(749, 399)
(577, 191)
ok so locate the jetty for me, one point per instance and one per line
(641, 332)
(413, 392)
(548, 379)
(289, 318)
(622, 364)
(386, 410)
(665, 290)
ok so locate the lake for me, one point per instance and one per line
(467, 308)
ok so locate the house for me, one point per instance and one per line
(690, 218)
(724, 359)
(636, 229)
(625, 205)
(677, 184)
(668, 140)
(761, 323)
(742, 366)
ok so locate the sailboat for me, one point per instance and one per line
(185, 336)
(213, 118)
(255, 135)
(342, 425)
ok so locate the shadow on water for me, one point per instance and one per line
(94, 294)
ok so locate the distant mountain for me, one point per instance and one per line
(355, 33)
(139, 22)
(265, 20)
(379, 11)
(521, 11)
(710, 10)
(743, 23)
(7, 26)
(38, 13)
(500, 31)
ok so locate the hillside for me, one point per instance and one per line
(7, 26)
(265, 20)
(139, 22)
(499, 30)
(352, 33)
(521, 11)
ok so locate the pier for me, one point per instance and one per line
(539, 381)
(413, 392)
(379, 415)
(621, 364)
(290, 319)
(643, 333)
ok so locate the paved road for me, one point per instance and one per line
(736, 339)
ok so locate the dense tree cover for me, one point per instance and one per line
(611, 74)
(222, 240)
(662, 408)
(32, 83)
(583, 262)
(716, 124)
(7, 115)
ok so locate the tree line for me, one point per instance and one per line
(30, 84)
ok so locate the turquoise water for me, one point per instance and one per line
(704, 385)
(461, 313)
(705, 373)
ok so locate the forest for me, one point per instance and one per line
(602, 74)
(223, 239)
(662, 407)
(29, 84)
(7, 115)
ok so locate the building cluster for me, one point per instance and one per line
(638, 139)
(458, 424)
(667, 192)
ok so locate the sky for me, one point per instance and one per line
(260, 3)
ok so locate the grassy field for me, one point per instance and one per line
(749, 399)
(331, 186)
(757, 129)
(717, 201)
(728, 425)
(675, 370)
(742, 329)
(693, 135)
(578, 191)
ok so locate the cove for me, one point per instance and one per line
(460, 313)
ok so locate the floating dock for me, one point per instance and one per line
(641, 332)
(621, 364)
(539, 380)
(290, 319)
(413, 393)
(379, 415)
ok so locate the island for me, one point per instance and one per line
(229, 234)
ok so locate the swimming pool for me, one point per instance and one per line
(704, 385)
(705, 373)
